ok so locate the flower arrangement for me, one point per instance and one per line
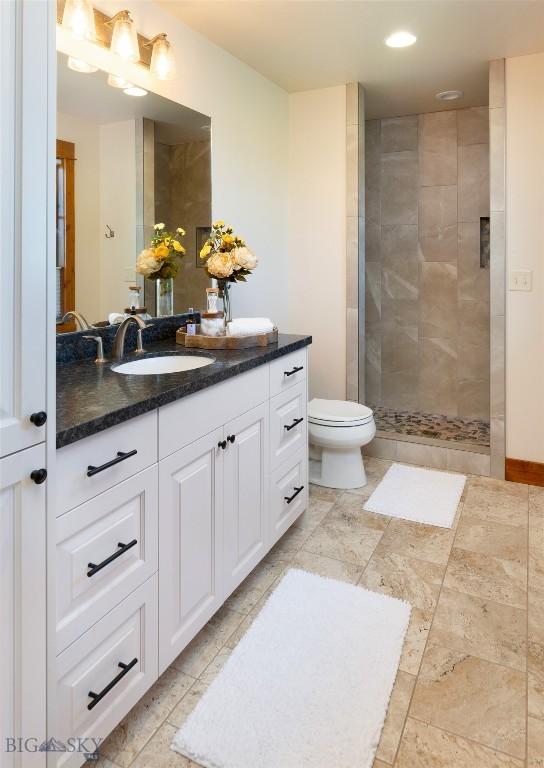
(228, 259)
(161, 260)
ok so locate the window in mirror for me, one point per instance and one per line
(65, 233)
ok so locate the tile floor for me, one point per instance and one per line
(470, 688)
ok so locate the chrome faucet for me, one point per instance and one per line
(78, 317)
(118, 349)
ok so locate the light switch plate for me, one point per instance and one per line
(520, 280)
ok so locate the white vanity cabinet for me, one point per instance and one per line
(212, 482)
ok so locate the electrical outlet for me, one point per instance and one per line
(520, 280)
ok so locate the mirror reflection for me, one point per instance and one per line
(125, 164)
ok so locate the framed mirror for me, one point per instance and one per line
(125, 163)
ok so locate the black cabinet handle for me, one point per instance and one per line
(39, 418)
(222, 444)
(121, 551)
(231, 438)
(39, 476)
(96, 697)
(296, 369)
(298, 489)
(289, 427)
(120, 457)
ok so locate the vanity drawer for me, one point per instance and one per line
(193, 417)
(136, 437)
(287, 371)
(288, 482)
(288, 424)
(117, 660)
(93, 534)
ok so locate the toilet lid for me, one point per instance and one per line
(338, 411)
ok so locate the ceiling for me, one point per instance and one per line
(307, 44)
(89, 97)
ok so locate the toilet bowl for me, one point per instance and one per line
(337, 431)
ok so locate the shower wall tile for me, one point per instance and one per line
(353, 226)
(399, 188)
(473, 398)
(400, 349)
(399, 311)
(373, 292)
(473, 126)
(497, 264)
(399, 134)
(438, 223)
(473, 182)
(400, 280)
(399, 244)
(372, 171)
(473, 280)
(372, 241)
(373, 360)
(497, 158)
(438, 377)
(438, 301)
(399, 390)
(473, 340)
(438, 149)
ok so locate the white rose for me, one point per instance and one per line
(159, 226)
(244, 258)
(220, 265)
(146, 263)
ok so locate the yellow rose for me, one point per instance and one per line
(178, 246)
(205, 251)
(220, 265)
(180, 231)
(219, 223)
(161, 252)
(227, 239)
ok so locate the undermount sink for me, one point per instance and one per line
(150, 366)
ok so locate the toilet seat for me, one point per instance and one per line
(338, 413)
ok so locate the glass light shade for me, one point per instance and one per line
(78, 18)
(78, 65)
(400, 40)
(118, 82)
(124, 39)
(163, 65)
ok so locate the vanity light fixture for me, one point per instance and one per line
(78, 65)
(78, 18)
(163, 65)
(400, 40)
(124, 39)
(449, 95)
(134, 90)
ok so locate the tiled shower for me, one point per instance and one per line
(427, 274)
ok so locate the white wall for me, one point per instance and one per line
(525, 250)
(249, 142)
(117, 210)
(86, 189)
(316, 287)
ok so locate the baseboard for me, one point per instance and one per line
(521, 471)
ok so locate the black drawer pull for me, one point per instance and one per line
(289, 427)
(298, 489)
(38, 419)
(296, 369)
(121, 551)
(231, 438)
(96, 697)
(39, 476)
(120, 457)
(222, 444)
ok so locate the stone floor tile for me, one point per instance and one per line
(535, 745)
(135, 730)
(250, 591)
(396, 715)
(344, 538)
(410, 579)
(184, 707)
(508, 542)
(424, 746)
(415, 640)
(497, 501)
(323, 494)
(426, 542)
(158, 752)
(472, 698)
(326, 566)
(535, 673)
(315, 514)
(480, 627)
(502, 581)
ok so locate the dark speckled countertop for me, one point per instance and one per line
(92, 397)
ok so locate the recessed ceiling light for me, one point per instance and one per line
(400, 40)
(78, 65)
(449, 95)
(118, 82)
(133, 90)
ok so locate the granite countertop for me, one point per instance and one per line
(91, 397)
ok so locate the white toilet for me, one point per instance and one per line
(337, 431)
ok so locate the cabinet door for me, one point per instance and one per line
(22, 609)
(190, 536)
(244, 515)
(24, 39)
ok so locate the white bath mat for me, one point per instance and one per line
(309, 684)
(418, 494)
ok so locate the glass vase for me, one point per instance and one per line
(224, 294)
(165, 296)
